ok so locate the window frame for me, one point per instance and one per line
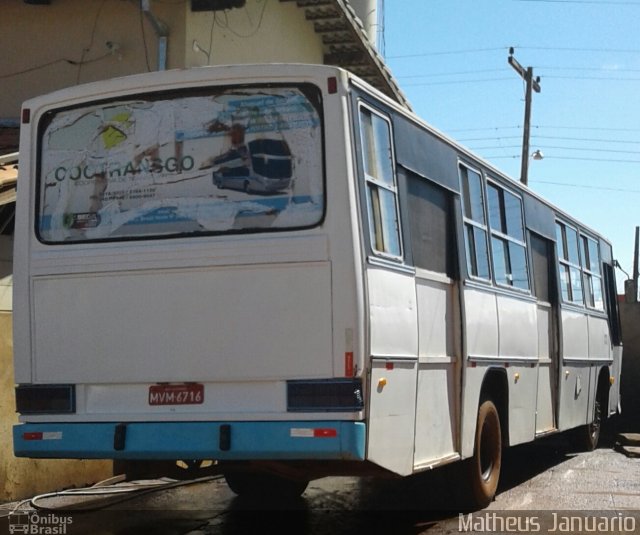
(469, 222)
(566, 263)
(506, 238)
(588, 274)
(371, 182)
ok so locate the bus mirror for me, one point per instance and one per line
(630, 291)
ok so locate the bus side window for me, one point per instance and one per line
(592, 273)
(432, 236)
(381, 185)
(569, 264)
(475, 223)
(507, 238)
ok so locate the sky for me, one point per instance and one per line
(450, 60)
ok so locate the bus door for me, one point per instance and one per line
(545, 290)
(433, 245)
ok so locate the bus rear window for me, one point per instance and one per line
(215, 161)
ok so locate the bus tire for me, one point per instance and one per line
(586, 437)
(484, 466)
(269, 487)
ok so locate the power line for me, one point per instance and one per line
(546, 147)
(545, 77)
(536, 136)
(576, 49)
(448, 52)
(511, 157)
(503, 48)
(583, 186)
(547, 68)
(542, 126)
(603, 78)
(451, 82)
(615, 2)
(591, 69)
(459, 73)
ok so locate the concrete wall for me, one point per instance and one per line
(630, 376)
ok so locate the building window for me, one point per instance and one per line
(475, 225)
(592, 273)
(569, 264)
(380, 178)
(509, 250)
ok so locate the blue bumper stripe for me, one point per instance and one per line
(192, 440)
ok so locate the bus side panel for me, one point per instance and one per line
(437, 405)
(480, 340)
(547, 384)
(392, 306)
(575, 370)
(599, 341)
(519, 342)
(481, 323)
(394, 349)
(392, 414)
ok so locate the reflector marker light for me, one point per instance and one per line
(39, 435)
(348, 364)
(307, 432)
(332, 85)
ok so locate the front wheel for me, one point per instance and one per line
(257, 485)
(484, 466)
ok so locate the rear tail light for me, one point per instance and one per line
(46, 399)
(328, 395)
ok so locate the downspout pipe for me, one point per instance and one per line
(162, 31)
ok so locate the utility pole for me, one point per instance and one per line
(532, 85)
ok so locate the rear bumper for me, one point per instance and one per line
(298, 440)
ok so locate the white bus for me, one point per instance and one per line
(391, 304)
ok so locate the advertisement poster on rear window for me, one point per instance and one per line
(230, 160)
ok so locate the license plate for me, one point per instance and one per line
(182, 394)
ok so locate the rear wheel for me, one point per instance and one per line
(586, 438)
(484, 466)
(264, 486)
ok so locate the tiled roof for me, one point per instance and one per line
(346, 44)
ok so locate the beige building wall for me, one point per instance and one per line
(65, 43)
(264, 32)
